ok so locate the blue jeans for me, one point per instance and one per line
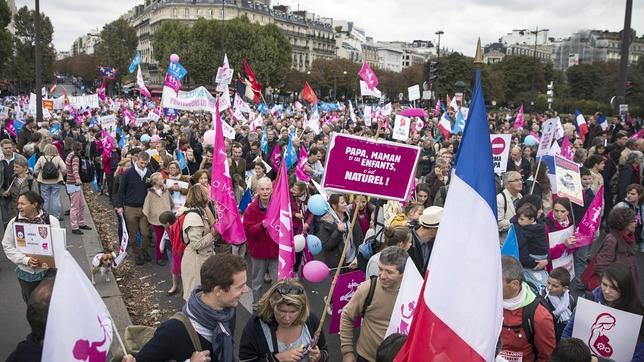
(51, 194)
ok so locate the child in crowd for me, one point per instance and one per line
(532, 240)
(558, 298)
(174, 252)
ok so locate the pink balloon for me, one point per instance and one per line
(174, 58)
(315, 271)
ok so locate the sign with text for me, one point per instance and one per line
(569, 180)
(346, 285)
(413, 92)
(35, 240)
(79, 102)
(608, 332)
(376, 168)
(501, 144)
(198, 99)
(549, 128)
(109, 124)
(401, 128)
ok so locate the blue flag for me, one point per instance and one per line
(183, 164)
(18, 124)
(291, 155)
(264, 143)
(136, 61)
(177, 70)
(121, 143)
(31, 163)
(54, 129)
(245, 200)
(459, 125)
(510, 245)
(262, 108)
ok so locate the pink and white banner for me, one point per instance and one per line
(406, 301)
(280, 224)
(589, 224)
(368, 75)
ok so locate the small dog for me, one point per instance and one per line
(103, 262)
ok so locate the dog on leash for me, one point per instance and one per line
(103, 263)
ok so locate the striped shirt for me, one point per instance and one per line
(73, 166)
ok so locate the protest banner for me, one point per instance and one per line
(364, 166)
(90, 101)
(35, 240)
(501, 144)
(228, 130)
(569, 180)
(140, 120)
(587, 227)
(198, 99)
(345, 287)
(366, 91)
(608, 332)
(406, 301)
(109, 124)
(153, 116)
(401, 128)
(549, 129)
(413, 92)
(566, 260)
(48, 104)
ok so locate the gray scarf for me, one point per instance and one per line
(213, 325)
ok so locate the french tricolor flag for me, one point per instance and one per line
(458, 317)
(601, 121)
(445, 125)
(580, 122)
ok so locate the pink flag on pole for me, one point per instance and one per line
(566, 150)
(108, 143)
(142, 88)
(300, 171)
(280, 224)
(589, 224)
(519, 121)
(368, 75)
(8, 125)
(437, 108)
(101, 91)
(229, 225)
(276, 157)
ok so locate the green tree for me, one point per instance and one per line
(451, 69)
(22, 67)
(117, 47)
(83, 66)
(6, 45)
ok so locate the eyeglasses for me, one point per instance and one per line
(285, 289)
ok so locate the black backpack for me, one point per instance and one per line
(372, 290)
(86, 170)
(49, 170)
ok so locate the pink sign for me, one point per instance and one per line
(585, 233)
(172, 82)
(376, 168)
(346, 285)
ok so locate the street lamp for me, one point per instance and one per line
(38, 63)
(536, 32)
(438, 49)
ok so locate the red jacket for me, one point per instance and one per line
(260, 245)
(516, 340)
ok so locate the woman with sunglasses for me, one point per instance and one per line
(282, 329)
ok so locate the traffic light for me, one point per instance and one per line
(433, 71)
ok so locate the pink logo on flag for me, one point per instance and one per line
(566, 150)
(300, 170)
(280, 224)
(108, 143)
(345, 287)
(85, 350)
(519, 121)
(437, 108)
(589, 224)
(10, 127)
(276, 157)
(172, 82)
(229, 224)
(368, 75)
(101, 91)
(142, 88)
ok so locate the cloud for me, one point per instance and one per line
(463, 21)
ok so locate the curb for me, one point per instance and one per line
(109, 291)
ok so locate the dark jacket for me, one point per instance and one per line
(531, 239)
(616, 249)
(579, 211)
(416, 253)
(424, 166)
(133, 189)
(171, 342)
(27, 351)
(254, 347)
(23, 138)
(523, 168)
(333, 239)
(6, 170)
(627, 175)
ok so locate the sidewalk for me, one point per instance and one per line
(83, 248)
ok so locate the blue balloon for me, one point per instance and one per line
(145, 138)
(314, 244)
(530, 140)
(318, 205)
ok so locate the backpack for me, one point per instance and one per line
(527, 319)
(367, 249)
(372, 290)
(138, 336)
(86, 170)
(175, 232)
(49, 170)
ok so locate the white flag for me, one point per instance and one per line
(352, 114)
(406, 301)
(240, 105)
(259, 121)
(79, 327)
(314, 122)
(224, 102)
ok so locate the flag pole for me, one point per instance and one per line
(118, 337)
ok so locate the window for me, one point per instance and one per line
(210, 12)
(186, 12)
(174, 12)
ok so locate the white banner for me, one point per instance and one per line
(569, 180)
(229, 131)
(367, 116)
(609, 332)
(198, 99)
(406, 301)
(365, 91)
(548, 128)
(501, 144)
(152, 116)
(109, 124)
(566, 260)
(90, 101)
(401, 128)
(413, 92)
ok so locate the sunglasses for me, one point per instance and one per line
(286, 289)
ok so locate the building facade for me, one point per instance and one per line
(586, 47)
(86, 44)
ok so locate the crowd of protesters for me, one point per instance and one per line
(157, 174)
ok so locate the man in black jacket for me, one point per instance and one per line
(129, 204)
(423, 237)
(210, 310)
(518, 163)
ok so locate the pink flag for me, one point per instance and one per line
(279, 223)
(129, 116)
(108, 143)
(276, 157)
(437, 108)
(300, 172)
(519, 121)
(8, 125)
(172, 82)
(369, 77)
(566, 150)
(589, 224)
(101, 91)
(639, 134)
(142, 88)
(229, 224)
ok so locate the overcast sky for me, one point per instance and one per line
(461, 20)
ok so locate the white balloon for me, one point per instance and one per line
(209, 137)
(299, 241)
